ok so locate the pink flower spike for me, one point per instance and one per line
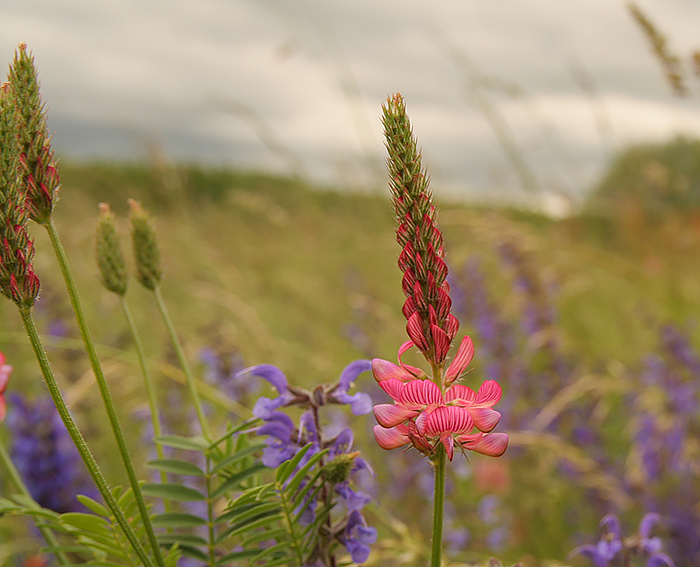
(491, 444)
(391, 415)
(464, 356)
(485, 419)
(421, 393)
(391, 438)
(385, 370)
(488, 395)
(417, 372)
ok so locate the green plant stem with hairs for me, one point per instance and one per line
(148, 382)
(44, 528)
(77, 436)
(104, 389)
(180, 353)
(440, 465)
(438, 507)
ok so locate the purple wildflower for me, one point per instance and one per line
(358, 537)
(609, 545)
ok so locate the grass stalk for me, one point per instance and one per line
(148, 382)
(104, 390)
(180, 353)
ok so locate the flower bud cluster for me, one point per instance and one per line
(18, 281)
(431, 326)
(40, 176)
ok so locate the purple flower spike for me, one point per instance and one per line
(358, 537)
(360, 403)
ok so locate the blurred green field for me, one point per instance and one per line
(279, 270)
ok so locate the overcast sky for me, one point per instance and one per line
(296, 86)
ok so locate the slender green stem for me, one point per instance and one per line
(211, 532)
(183, 363)
(104, 390)
(77, 436)
(148, 382)
(438, 507)
(44, 528)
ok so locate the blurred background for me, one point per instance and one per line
(561, 138)
(508, 97)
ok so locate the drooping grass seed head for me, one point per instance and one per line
(145, 246)
(18, 281)
(40, 177)
(431, 326)
(110, 260)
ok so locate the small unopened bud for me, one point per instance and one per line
(109, 255)
(338, 469)
(145, 245)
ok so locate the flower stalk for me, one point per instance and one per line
(149, 274)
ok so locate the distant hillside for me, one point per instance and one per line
(655, 177)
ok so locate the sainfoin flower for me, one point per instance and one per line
(5, 372)
(424, 416)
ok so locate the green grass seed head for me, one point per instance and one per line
(110, 260)
(145, 245)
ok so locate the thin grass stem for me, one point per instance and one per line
(180, 353)
(148, 382)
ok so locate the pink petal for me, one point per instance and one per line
(463, 395)
(416, 372)
(393, 387)
(385, 370)
(421, 393)
(449, 443)
(391, 415)
(391, 438)
(414, 328)
(441, 341)
(464, 356)
(489, 393)
(448, 419)
(485, 419)
(3, 408)
(492, 444)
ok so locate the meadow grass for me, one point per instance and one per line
(277, 270)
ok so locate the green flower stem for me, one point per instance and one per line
(438, 506)
(183, 363)
(150, 388)
(104, 390)
(44, 528)
(439, 496)
(77, 436)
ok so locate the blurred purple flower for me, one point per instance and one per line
(45, 456)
